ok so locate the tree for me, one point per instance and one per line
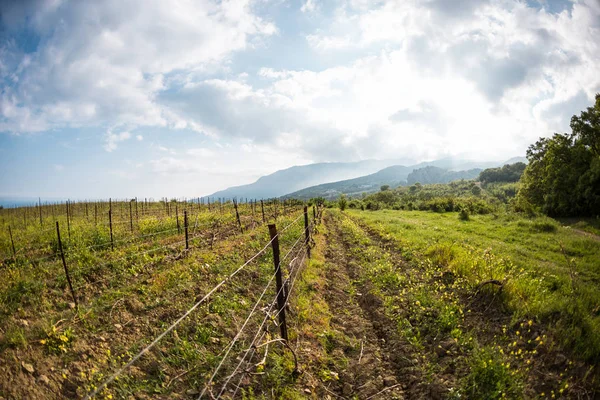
(563, 175)
(385, 187)
(507, 173)
(342, 202)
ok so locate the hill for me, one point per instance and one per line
(295, 178)
(393, 176)
(331, 179)
(431, 174)
(439, 171)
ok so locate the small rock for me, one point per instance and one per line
(307, 391)
(560, 359)
(368, 389)
(136, 372)
(118, 326)
(347, 389)
(437, 391)
(44, 379)
(27, 367)
(134, 305)
(24, 322)
(445, 347)
(78, 367)
(71, 305)
(389, 381)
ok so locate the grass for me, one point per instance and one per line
(551, 273)
(424, 268)
(127, 297)
(433, 292)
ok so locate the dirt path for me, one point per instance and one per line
(586, 234)
(376, 367)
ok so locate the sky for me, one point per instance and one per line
(181, 98)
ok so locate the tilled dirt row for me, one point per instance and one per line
(378, 366)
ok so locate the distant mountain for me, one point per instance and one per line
(295, 178)
(514, 160)
(393, 176)
(431, 174)
(438, 171)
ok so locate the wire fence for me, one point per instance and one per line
(208, 295)
(201, 229)
(24, 239)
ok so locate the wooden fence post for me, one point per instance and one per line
(177, 218)
(279, 282)
(12, 242)
(185, 225)
(237, 215)
(69, 218)
(62, 256)
(306, 232)
(262, 207)
(112, 244)
(131, 215)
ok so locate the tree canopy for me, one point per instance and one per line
(431, 174)
(563, 174)
(507, 173)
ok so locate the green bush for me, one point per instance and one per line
(355, 204)
(342, 202)
(490, 377)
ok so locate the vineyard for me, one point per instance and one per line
(89, 289)
(280, 299)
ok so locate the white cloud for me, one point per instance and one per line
(104, 63)
(308, 6)
(111, 140)
(139, 138)
(167, 150)
(499, 45)
(200, 152)
(379, 79)
(478, 80)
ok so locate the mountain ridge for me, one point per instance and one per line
(285, 182)
(298, 177)
(394, 176)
